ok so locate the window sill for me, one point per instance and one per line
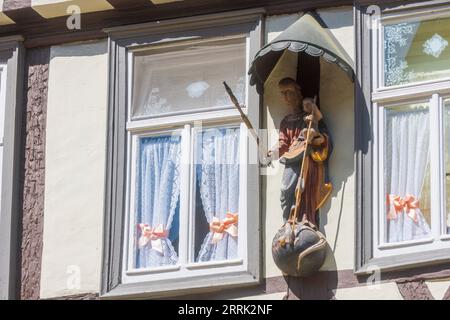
(175, 287)
(153, 270)
(224, 263)
(405, 243)
(445, 237)
(404, 261)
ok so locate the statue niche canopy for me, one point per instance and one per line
(310, 38)
(299, 248)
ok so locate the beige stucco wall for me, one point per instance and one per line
(74, 169)
(336, 96)
(438, 288)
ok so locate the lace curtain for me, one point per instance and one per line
(397, 42)
(416, 51)
(406, 162)
(157, 199)
(218, 176)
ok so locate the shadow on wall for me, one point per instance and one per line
(337, 97)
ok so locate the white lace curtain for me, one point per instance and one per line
(218, 175)
(406, 162)
(157, 196)
(397, 42)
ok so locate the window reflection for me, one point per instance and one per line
(416, 51)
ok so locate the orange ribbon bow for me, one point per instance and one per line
(228, 225)
(397, 205)
(152, 235)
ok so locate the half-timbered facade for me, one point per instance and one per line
(119, 147)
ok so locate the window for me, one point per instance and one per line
(185, 200)
(183, 197)
(416, 51)
(411, 86)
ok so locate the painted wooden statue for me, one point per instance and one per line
(304, 145)
(291, 149)
(299, 248)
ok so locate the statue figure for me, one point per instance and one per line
(304, 145)
(316, 187)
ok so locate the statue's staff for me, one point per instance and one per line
(263, 152)
(301, 182)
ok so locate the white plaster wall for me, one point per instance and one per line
(270, 296)
(384, 291)
(438, 288)
(74, 169)
(336, 96)
(340, 22)
(338, 214)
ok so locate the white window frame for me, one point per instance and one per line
(3, 75)
(433, 92)
(11, 104)
(201, 277)
(185, 123)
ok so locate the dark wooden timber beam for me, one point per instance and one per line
(127, 4)
(54, 31)
(34, 121)
(21, 12)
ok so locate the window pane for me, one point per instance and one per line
(406, 172)
(416, 51)
(188, 78)
(447, 161)
(217, 194)
(157, 201)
